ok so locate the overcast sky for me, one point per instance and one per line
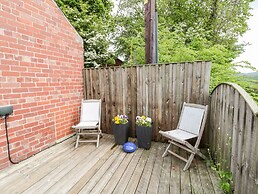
(251, 36)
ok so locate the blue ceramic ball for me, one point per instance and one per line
(129, 147)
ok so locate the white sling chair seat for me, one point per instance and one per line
(191, 125)
(88, 125)
(178, 134)
(89, 121)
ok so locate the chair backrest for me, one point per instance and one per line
(191, 118)
(90, 110)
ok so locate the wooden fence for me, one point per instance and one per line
(233, 135)
(157, 91)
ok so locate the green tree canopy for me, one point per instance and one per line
(187, 31)
(92, 19)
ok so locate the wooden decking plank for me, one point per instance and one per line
(185, 176)
(24, 178)
(80, 184)
(52, 171)
(104, 170)
(65, 166)
(108, 175)
(165, 175)
(156, 172)
(215, 180)
(37, 159)
(110, 186)
(175, 174)
(195, 179)
(145, 178)
(73, 176)
(133, 183)
(121, 186)
(110, 163)
(47, 161)
(205, 178)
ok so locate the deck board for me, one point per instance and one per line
(122, 184)
(164, 182)
(185, 176)
(133, 183)
(175, 180)
(195, 179)
(205, 178)
(145, 178)
(112, 162)
(156, 171)
(107, 169)
(68, 164)
(37, 159)
(109, 173)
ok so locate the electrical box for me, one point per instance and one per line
(6, 110)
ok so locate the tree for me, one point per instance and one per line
(223, 21)
(92, 19)
(129, 31)
(187, 31)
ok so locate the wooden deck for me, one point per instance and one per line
(107, 169)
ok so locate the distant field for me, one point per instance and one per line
(254, 93)
(255, 84)
(253, 81)
(251, 76)
(250, 84)
(254, 78)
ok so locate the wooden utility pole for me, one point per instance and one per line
(151, 54)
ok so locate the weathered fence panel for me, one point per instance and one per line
(233, 135)
(157, 91)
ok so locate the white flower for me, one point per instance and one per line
(148, 119)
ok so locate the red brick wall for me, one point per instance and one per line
(41, 62)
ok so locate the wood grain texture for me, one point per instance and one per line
(157, 91)
(106, 169)
(233, 135)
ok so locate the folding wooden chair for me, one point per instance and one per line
(191, 125)
(89, 122)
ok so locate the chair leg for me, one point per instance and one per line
(77, 138)
(98, 140)
(190, 159)
(201, 154)
(166, 151)
(77, 141)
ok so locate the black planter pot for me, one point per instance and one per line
(120, 132)
(144, 135)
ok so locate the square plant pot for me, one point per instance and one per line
(144, 136)
(121, 133)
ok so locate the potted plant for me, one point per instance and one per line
(144, 131)
(120, 127)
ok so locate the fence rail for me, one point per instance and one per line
(157, 91)
(233, 135)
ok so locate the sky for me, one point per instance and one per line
(251, 36)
